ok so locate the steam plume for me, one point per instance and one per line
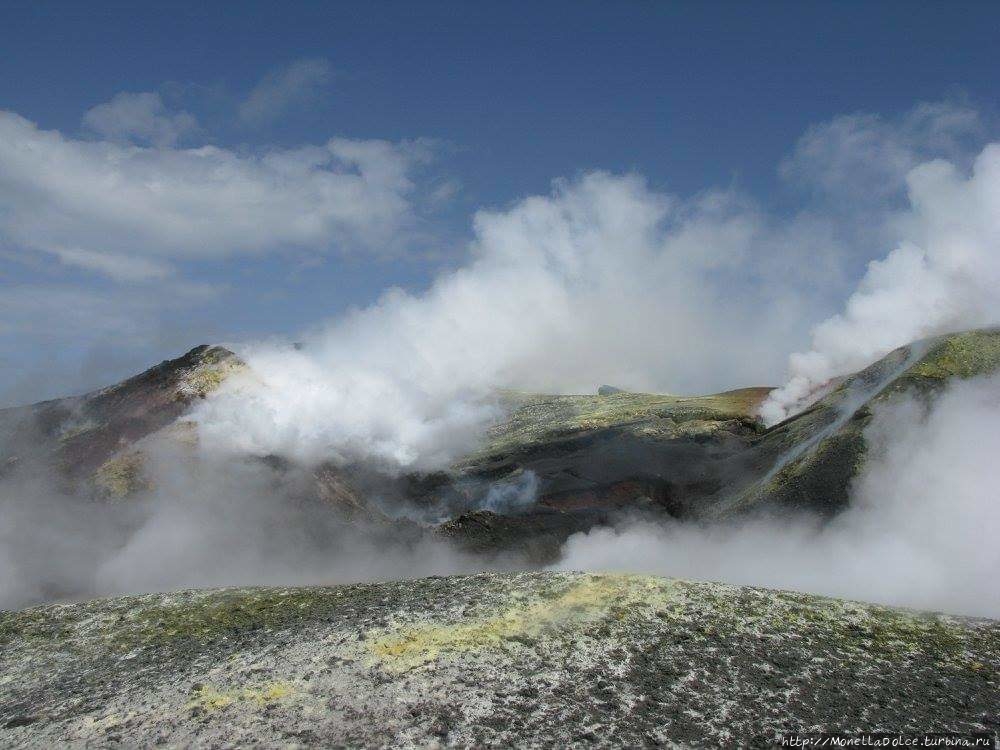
(943, 276)
(603, 281)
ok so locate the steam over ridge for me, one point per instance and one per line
(609, 280)
(943, 276)
(606, 279)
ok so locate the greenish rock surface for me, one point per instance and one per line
(532, 659)
(809, 461)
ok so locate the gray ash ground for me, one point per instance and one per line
(532, 659)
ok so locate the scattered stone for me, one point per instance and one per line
(624, 661)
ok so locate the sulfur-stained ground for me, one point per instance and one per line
(533, 659)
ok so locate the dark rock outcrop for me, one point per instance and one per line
(704, 458)
(87, 439)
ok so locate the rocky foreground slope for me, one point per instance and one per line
(535, 659)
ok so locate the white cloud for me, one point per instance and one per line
(67, 313)
(118, 267)
(141, 118)
(866, 157)
(130, 211)
(296, 83)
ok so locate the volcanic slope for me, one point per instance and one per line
(533, 659)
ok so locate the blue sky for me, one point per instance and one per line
(477, 106)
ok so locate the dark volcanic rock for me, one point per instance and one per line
(76, 436)
(706, 458)
(541, 660)
(537, 535)
(597, 457)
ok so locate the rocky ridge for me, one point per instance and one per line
(593, 458)
(89, 441)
